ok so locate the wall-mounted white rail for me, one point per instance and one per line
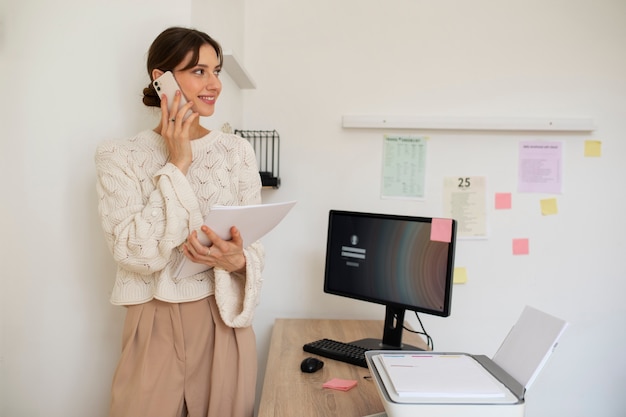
(469, 123)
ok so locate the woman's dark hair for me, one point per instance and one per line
(169, 49)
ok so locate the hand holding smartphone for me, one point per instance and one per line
(166, 84)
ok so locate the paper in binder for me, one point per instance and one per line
(253, 222)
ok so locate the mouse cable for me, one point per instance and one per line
(429, 340)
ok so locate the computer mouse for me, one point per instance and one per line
(311, 364)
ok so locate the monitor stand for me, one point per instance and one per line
(392, 333)
(377, 344)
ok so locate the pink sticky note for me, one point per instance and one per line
(340, 384)
(520, 246)
(503, 201)
(441, 230)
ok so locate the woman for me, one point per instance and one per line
(187, 347)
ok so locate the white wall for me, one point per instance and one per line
(72, 75)
(315, 61)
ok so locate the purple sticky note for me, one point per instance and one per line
(520, 246)
(441, 230)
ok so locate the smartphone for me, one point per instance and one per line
(166, 84)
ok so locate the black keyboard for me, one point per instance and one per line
(344, 352)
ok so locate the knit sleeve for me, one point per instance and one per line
(249, 179)
(142, 230)
(237, 296)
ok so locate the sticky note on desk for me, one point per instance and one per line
(340, 384)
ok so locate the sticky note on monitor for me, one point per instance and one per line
(441, 230)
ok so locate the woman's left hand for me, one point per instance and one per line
(225, 254)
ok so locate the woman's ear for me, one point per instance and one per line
(156, 73)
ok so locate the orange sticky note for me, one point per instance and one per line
(503, 201)
(340, 384)
(520, 246)
(441, 230)
(593, 148)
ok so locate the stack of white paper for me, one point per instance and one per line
(440, 376)
(253, 222)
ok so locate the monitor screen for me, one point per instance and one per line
(390, 260)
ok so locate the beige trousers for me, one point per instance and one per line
(182, 360)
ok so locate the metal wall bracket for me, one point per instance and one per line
(266, 144)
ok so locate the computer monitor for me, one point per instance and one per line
(391, 260)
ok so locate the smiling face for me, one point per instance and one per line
(200, 83)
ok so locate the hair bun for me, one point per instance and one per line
(150, 97)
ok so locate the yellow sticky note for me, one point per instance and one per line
(548, 206)
(593, 148)
(459, 276)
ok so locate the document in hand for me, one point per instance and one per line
(253, 222)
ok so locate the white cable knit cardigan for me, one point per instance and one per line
(148, 208)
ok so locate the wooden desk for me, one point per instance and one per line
(288, 392)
